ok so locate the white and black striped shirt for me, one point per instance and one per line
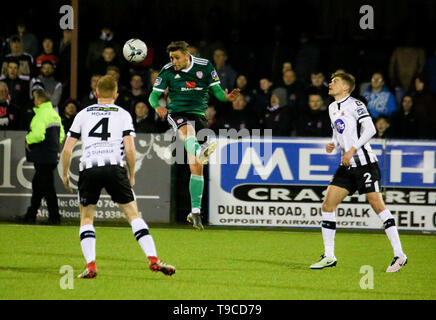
(102, 128)
(350, 122)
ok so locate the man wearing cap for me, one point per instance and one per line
(42, 148)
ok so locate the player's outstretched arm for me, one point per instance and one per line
(224, 96)
(129, 149)
(66, 161)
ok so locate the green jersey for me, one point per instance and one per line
(188, 88)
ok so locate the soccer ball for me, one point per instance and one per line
(134, 50)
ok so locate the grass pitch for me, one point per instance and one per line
(215, 264)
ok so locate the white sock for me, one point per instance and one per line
(196, 210)
(328, 233)
(87, 242)
(392, 232)
(145, 240)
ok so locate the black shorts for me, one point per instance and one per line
(112, 178)
(364, 179)
(179, 119)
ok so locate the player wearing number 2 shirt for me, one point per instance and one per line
(358, 171)
(107, 135)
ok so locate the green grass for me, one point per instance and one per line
(214, 264)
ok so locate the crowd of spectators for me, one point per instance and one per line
(292, 101)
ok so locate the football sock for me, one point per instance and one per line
(192, 146)
(196, 185)
(392, 232)
(145, 240)
(328, 233)
(87, 242)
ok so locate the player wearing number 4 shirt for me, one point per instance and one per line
(358, 171)
(107, 135)
(189, 80)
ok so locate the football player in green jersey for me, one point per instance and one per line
(189, 80)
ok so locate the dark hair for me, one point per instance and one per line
(73, 101)
(15, 38)
(316, 71)
(113, 68)
(14, 60)
(382, 117)
(407, 94)
(42, 95)
(178, 45)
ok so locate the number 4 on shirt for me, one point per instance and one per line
(104, 135)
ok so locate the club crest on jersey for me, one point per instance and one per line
(158, 81)
(180, 121)
(199, 74)
(340, 126)
(177, 76)
(191, 84)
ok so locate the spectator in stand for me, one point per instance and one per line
(18, 85)
(286, 66)
(405, 63)
(64, 65)
(70, 109)
(262, 97)
(278, 76)
(47, 53)
(25, 60)
(225, 72)
(239, 117)
(295, 94)
(314, 121)
(137, 92)
(194, 51)
(9, 113)
(143, 118)
(320, 86)
(29, 40)
(108, 58)
(51, 85)
(381, 102)
(425, 107)
(242, 85)
(278, 118)
(210, 114)
(95, 49)
(90, 98)
(123, 99)
(404, 122)
(382, 126)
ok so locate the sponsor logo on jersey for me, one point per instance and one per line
(191, 84)
(158, 81)
(199, 74)
(214, 75)
(340, 126)
(361, 111)
(91, 109)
